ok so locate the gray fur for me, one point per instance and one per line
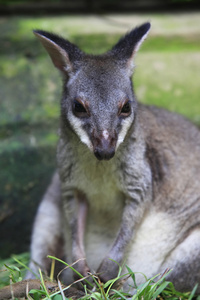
(129, 181)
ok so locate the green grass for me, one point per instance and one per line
(171, 81)
(11, 271)
(5, 273)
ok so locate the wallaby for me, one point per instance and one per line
(127, 187)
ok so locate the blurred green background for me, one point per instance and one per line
(167, 74)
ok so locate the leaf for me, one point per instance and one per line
(58, 297)
(70, 266)
(24, 266)
(43, 284)
(142, 287)
(160, 289)
(39, 292)
(133, 276)
(96, 296)
(193, 292)
(15, 273)
(120, 294)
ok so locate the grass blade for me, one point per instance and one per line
(43, 284)
(193, 292)
(120, 294)
(70, 266)
(24, 266)
(160, 289)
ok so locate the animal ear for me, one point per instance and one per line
(128, 45)
(63, 53)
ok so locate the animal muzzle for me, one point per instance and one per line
(104, 146)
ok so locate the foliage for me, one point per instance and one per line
(172, 60)
(156, 287)
(12, 270)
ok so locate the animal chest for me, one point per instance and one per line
(100, 184)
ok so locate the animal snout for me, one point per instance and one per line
(104, 146)
(106, 154)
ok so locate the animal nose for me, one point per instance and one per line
(104, 148)
(104, 144)
(104, 154)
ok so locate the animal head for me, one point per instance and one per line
(98, 100)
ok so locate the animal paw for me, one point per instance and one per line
(82, 267)
(107, 270)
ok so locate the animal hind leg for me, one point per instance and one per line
(47, 238)
(185, 263)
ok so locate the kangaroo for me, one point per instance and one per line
(127, 187)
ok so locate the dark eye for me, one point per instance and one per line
(126, 109)
(79, 109)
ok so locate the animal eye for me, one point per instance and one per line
(79, 109)
(126, 109)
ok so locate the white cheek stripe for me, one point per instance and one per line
(77, 125)
(126, 123)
